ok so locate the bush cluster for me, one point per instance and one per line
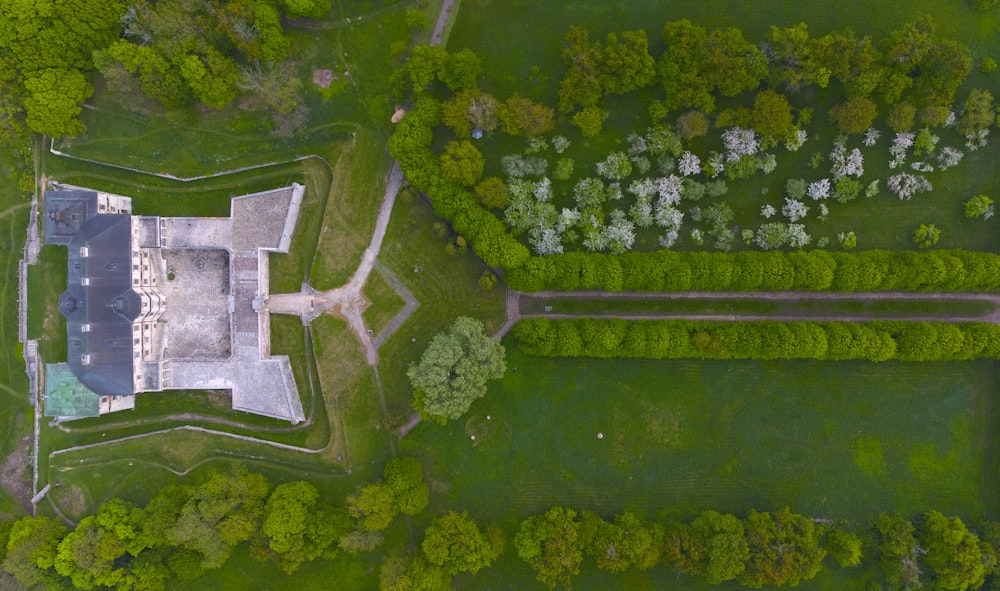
(682, 339)
(665, 270)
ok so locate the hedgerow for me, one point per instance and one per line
(762, 340)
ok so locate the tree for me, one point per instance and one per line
(581, 84)
(298, 527)
(979, 206)
(462, 163)
(460, 70)
(456, 543)
(958, 558)
(784, 549)
(718, 546)
(590, 120)
(898, 551)
(627, 65)
(454, 369)
(978, 113)
(551, 544)
(221, 513)
(692, 124)
(32, 549)
(521, 116)
(404, 476)
(844, 547)
(53, 101)
(926, 235)
(625, 544)
(374, 505)
(901, 117)
(492, 193)
(424, 65)
(854, 115)
(772, 116)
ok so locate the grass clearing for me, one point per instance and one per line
(709, 305)
(356, 192)
(349, 392)
(446, 287)
(385, 303)
(837, 440)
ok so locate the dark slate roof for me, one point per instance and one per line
(65, 214)
(108, 305)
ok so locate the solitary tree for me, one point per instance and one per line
(926, 235)
(455, 368)
(979, 206)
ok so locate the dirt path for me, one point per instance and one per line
(514, 306)
(448, 8)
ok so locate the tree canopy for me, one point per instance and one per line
(454, 369)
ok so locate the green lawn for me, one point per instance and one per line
(836, 440)
(384, 302)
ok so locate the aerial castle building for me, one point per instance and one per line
(168, 303)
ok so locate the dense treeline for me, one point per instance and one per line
(817, 270)
(774, 549)
(684, 339)
(185, 530)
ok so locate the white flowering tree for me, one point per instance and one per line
(668, 238)
(644, 187)
(819, 189)
(615, 167)
(543, 190)
(642, 212)
(767, 163)
(906, 185)
(567, 219)
(668, 217)
(740, 142)
(636, 144)
(794, 210)
(559, 144)
(589, 193)
(766, 211)
(949, 157)
(545, 241)
(901, 144)
(689, 164)
(669, 189)
(976, 140)
(872, 136)
(797, 141)
(797, 236)
(620, 233)
(846, 163)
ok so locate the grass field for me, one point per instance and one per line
(385, 302)
(510, 52)
(836, 440)
(708, 305)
